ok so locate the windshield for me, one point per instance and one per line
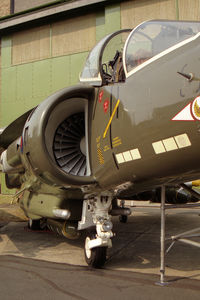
(104, 59)
(153, 37)
(91, 68)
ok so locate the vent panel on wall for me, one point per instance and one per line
(189, 10)
(4, 8)
(73, 35)
(31, 45)
(135, 12)
(21, 5)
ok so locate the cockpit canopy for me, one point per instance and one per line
(153, 37)
(104, 58)
(116, 56)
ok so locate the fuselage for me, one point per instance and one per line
(137, 126)
(142, 144)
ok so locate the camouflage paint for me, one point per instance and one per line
(26, 85)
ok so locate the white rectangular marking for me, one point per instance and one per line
(135, 154)
(127, 156)
(182, 140)
(120, 158)
(170, 144)
(158, 147)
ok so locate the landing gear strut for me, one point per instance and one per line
(34, 224)
(95, 213)
(123, 218)
(37, 225)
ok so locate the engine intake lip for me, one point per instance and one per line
(41, 131)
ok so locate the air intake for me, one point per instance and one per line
(69, 145)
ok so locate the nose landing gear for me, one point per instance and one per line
(95, 214)
(95, 257)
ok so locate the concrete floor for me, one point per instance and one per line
(133, 261)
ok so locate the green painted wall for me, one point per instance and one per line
(26, 85)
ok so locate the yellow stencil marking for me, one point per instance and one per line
(116, 138)
(100, 156)
(111, 118)
(106, 148)
(116, 142)
(98, 139)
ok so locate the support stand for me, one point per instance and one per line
(183, 237)
(162, 281)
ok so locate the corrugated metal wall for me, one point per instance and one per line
(4, 8)
(135, 12)
(189, 9)
(21, 5)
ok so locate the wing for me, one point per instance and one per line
(12, 131)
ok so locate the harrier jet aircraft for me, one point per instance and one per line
(130, 126)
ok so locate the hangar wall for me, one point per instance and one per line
(37, 61)
(20, 5)
(4, 8)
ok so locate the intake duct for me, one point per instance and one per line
(55, 138)
(69, 145)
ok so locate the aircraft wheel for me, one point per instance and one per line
(34, 224)
(123, 219)
(95, 257)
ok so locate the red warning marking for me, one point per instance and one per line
(21, 144)
(106, 105)
(100, 96)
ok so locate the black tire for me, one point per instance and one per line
(95, 257)
(34, 224)
(123, 219)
